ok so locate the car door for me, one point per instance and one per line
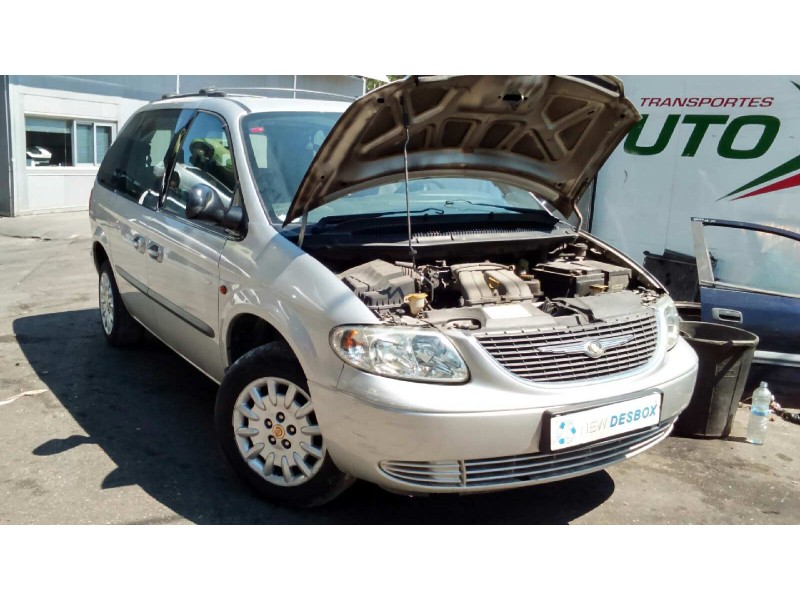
(183, 253)
(750, 278)
(130, 182)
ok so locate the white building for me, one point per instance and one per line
(55, 130)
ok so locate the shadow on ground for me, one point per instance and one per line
(151, 413)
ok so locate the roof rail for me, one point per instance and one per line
(209, 91)
(219, 92)
(293, 90)
(212, 91)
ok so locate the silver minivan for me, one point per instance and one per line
(389, 289)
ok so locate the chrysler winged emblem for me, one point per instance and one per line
(593, 348)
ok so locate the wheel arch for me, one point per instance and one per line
(247, 325)
(99, 255)
(247, 331)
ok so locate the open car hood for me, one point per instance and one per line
(546, 134)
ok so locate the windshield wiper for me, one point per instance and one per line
(516, 209)
(325, 221)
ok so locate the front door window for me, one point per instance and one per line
(204, 159)
(756, 260)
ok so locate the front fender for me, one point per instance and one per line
(271, 278)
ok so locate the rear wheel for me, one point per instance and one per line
(119, 328)
(268, 430)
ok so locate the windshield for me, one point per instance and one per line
(432, 196)
(281, 146)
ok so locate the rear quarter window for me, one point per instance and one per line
(135, 165)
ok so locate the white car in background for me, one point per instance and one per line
(37, 156)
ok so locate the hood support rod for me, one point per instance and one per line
(303, 223)
(579, 214)
(411, 251)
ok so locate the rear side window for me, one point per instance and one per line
(135, 164)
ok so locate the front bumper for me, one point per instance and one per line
(485, 435)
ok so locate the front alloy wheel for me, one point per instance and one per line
(269, 433)
(277, 432)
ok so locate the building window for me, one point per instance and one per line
(102, 136)
(85, 143)
(48, 142)
(65, 143)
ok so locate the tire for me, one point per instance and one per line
(284, 457)
(119, 327)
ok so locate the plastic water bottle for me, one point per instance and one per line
(759, 415)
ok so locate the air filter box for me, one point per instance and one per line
(379, 284)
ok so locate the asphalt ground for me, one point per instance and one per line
(126, 436)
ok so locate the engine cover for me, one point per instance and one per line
(487, 283)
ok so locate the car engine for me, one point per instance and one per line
(573, 286)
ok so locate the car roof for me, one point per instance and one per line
(242, 103)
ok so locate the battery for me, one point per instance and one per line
(616, 278)
(569, 278)
(562, 278)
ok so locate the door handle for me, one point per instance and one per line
(156, 252)
(139, 243)
(726, 315)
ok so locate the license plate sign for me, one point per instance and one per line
(581, 427)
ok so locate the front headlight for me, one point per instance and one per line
(673, 321)
(400, 352)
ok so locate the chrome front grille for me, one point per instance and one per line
(521, 352)
(512, 471)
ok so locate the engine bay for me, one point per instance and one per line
(572, 284)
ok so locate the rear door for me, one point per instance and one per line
(183, 254)
(129, 184)
(750, 278)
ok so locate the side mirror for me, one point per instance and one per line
(233, 218)
(204, 203)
